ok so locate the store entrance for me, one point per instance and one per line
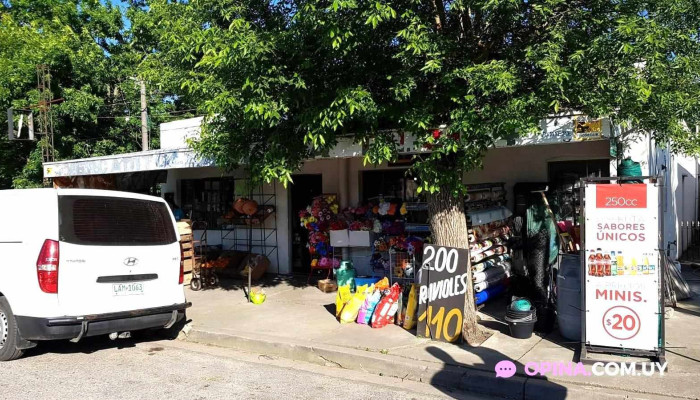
(304, 189)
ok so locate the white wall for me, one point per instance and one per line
(680, 192)
(529, 163)
(282, 260)
(174, 135)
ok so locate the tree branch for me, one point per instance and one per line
(440, 19)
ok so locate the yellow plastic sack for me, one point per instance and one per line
(341, 299)
(350, 311)
(410, 321)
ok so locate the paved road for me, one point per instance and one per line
(129, 369)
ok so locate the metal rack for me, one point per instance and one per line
(256, 233)
(396, 261)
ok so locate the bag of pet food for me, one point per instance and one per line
(386, 308)
(352, 308)
(411, 308)
(382, 285)
(365, 313)
(341, 299)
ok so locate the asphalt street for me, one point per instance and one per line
(98, 368)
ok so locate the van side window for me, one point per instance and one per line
(114, 221)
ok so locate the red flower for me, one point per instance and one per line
(436, 134)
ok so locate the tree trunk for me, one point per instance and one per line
(448, 226)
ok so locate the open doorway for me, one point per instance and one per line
(304, 189)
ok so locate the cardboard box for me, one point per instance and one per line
(360, 238)
(340, 238)
(327, 285)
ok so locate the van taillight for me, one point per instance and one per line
(47, 266)
(182, 266)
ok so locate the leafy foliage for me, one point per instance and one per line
(282, 80)
(92, 58)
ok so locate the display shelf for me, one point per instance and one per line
(416, 228)
(256, 233)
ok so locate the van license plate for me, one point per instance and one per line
(127, 289)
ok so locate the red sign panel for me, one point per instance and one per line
(621, 196)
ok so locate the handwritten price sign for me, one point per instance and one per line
(443, 280)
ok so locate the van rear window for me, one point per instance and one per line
(114, 221)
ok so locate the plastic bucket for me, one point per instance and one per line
(522, 330)
(519, 314)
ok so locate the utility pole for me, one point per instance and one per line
(144, 117)
(43, 77)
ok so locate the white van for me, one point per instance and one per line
(78, 262)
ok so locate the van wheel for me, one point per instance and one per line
(195, 284)
(9, 335)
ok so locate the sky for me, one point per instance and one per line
(121, 4)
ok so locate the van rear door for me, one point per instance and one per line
(116, 254)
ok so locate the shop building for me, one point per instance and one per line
(557, 158)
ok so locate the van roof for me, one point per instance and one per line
(89, 192)
(106, 193)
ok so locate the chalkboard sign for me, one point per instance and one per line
(443, 285)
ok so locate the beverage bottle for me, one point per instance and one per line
(607, 264)
(645, 267)
(620, 263)
(592, 264)
(634, 266)
(600, 264)
(613, 264)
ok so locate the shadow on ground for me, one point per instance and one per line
(481, 378)
(93, 344)
(268, 281)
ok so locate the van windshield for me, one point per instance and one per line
(114, 221)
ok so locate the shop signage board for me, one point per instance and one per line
(622, 273)
(443, 285)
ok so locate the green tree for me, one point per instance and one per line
(93, 58)
(282, 80)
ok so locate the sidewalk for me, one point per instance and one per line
(297, 322)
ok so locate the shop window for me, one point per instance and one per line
(392, 183)
(207, 199)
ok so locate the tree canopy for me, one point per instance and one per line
(92, 57)
(283, 80)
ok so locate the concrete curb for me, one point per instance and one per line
(454, 377)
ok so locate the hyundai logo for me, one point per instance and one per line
(131, 261)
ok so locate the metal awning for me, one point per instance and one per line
(152, 160)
